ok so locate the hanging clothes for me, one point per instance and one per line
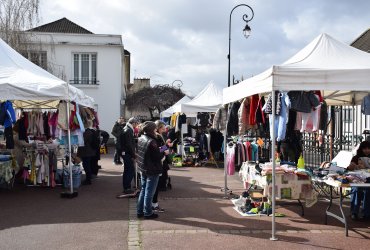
(216, 140)
(324, 117)
(232, 124)
(365, 105)
(252, 109)
(62, 115)
(243, 116)
(220, 118)
(280, 123)
(310, 121)
(267, 108)
(230, 150)
(203, 119)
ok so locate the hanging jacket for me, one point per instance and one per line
(10, 118)
(232, 124)
(267, 108)
(252, 109)
(260, 116)
(302, 101)
(365, 105)
(220, 119)
(243, 116)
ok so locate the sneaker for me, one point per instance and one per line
(151, 217)
(140, 215)
(158, 209)
(128, 191)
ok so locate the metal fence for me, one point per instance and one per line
(347, 127)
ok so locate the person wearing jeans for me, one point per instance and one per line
(148, 186)
(150, 167)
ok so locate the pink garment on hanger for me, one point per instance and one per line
(230, 160)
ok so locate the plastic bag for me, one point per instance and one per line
(300, 163)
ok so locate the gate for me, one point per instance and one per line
(347, 127)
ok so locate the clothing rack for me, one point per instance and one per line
(10, 184)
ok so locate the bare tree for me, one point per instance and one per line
(17, 16)
(159, 97)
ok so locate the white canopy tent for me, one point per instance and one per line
(168, 112)
(339, 70)
(24, 81)
(30, 86)
(208, 100)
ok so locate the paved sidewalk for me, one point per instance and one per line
(196, 217)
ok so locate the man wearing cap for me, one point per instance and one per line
(128, 147)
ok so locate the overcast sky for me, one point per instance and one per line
(187, 40)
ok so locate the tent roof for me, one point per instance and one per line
(208, 100)
(170, 110)
(21, 79)
(341, 71)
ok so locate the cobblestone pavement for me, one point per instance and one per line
(197, 217)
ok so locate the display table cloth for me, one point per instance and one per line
(295, 186)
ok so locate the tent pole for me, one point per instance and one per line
(225, 167)
(69, 148)
(353, 127)
(71, 194)
(272, 128)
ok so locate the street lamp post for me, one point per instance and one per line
(246, 32)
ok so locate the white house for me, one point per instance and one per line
(94, 63)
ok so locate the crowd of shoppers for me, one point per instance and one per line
(147, 146)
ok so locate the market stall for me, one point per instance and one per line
(340, 71)
(168, 112)
(207, 101)
(30, 86)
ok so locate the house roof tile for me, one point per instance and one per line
(363, 41)
(61, 26)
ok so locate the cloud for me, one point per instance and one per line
(188, 40)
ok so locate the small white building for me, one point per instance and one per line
(94, 63)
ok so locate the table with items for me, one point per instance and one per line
(291, 183)
(340, 180)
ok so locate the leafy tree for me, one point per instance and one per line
(17, 16)
(159, 97)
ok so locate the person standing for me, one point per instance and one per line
(360, 195)
(95, 159)
(116, 132)
(150, 167)
(162, 182)
(128, 147)
(87, 152)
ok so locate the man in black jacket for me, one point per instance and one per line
(128, 147)
(116, 132)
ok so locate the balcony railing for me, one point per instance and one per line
(84, 81)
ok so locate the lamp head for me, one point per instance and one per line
(247, 31)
